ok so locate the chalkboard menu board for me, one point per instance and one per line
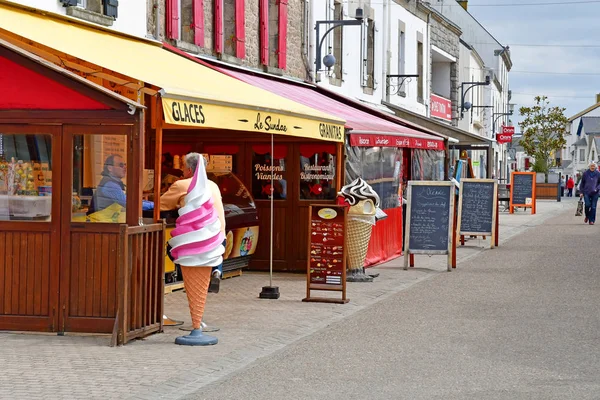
(326, 268)
(429, 212)
(476, 209)
(522, 189)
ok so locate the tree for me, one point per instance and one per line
(544, 130)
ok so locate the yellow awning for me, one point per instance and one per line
(192, 94)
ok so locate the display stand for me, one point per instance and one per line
(327, 252)
(522, 191)
(429, 226)
(477, 209)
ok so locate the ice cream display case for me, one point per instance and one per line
(241, 221)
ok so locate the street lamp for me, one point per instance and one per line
(465, 105)
(496, 116)
(329, 59)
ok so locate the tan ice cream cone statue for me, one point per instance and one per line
(197, 245)
(363, 201)
(196, 281)
(359, 233)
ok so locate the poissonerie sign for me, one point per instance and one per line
(365, 140)
(477, 207)
(429, 215)
(326, 264)
(522, 190)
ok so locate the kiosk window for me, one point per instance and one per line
(317, 172)
(263, 165)
(25, 177)
(99, 175)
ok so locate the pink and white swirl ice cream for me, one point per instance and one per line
(197, 240)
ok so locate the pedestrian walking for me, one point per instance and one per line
(562, 186)
(589, 186)
(570, 186)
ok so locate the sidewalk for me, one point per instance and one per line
(78, 367)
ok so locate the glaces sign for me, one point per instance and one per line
(440, 107)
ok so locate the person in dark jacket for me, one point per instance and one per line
(111, 188)
(589, 187)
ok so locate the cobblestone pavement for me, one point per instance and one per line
(37, 366)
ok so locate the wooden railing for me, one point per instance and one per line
(140, 283)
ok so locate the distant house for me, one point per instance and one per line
(582, 126)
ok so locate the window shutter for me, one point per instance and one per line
(264, 32)
(219, 26)
(111, 8)
(198, 22)
(172, 19)
(240, 29)
(282, 39)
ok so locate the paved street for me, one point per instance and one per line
(519, 321)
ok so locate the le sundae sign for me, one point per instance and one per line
(363, 140)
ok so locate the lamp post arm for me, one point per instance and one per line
(335, 24)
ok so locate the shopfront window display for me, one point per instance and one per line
(265, 164)
(99, 174)
(317, 172)
(381, 167)
(25, 177)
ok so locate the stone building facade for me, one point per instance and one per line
(295, 10)
(445, 36)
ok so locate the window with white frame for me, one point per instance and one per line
(581, 155)
(401, 52)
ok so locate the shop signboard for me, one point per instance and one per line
(501, 138)
(367, 140)
(429, 218)
(522, 190)
(508, 130)
(326, 264)
(477, 211)
(440, 107)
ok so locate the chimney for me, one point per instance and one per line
(598, 98)
(463, 3)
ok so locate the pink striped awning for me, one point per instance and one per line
(366, 129)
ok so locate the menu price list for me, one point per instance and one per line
(326, 249)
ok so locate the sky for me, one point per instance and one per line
(568, 75)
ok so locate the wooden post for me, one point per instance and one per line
(497, 228)
(157, 157)
(454, 233)
(135, 171)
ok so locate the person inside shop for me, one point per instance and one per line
(173, 199)
(111, 188)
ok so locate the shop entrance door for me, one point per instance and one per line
(30, 242)
(91, 238)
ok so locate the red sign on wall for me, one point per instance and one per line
(364, 140)
(440, 107)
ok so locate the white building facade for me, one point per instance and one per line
(492, 59)
(126, 16)
(391, 41)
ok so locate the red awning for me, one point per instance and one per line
(366, 129)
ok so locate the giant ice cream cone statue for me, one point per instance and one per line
(363, 202)
(197, 246)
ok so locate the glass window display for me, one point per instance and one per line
(25, 177)
(317, 172)
(263, 165)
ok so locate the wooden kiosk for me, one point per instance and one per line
(59, 270)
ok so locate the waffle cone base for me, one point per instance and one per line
(359, 234)
(196, 281)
